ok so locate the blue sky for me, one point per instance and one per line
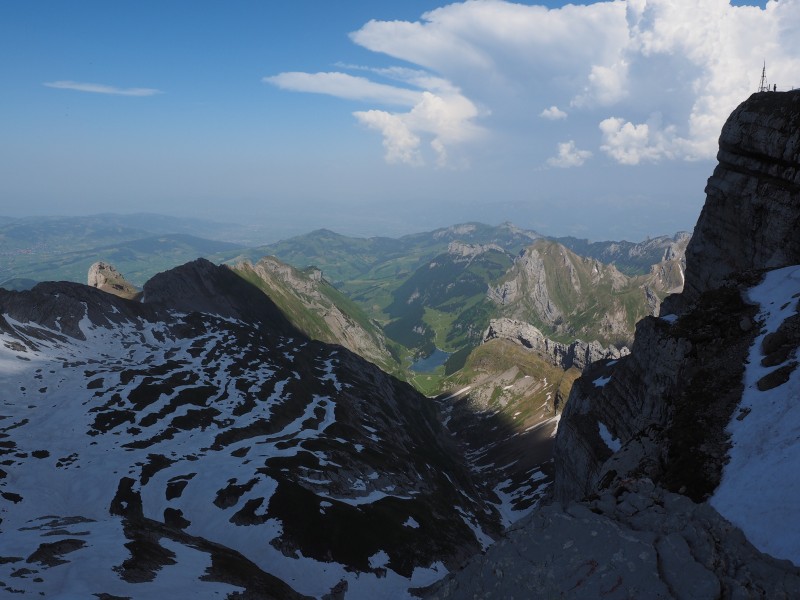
(380, 118)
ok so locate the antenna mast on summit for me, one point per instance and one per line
(763, 86)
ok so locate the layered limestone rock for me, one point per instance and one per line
(106, 277)
(750, 219)
(470, 251)
(688, 370)
(578, 354)
(570, 296)
(667, 404)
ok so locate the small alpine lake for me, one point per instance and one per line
(430, 363)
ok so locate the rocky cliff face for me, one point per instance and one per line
(568, 296)
(578, 354)
(106, 277)
(750, 219)
(700, 418)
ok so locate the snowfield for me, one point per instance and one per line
(206, 430)
(760, 488)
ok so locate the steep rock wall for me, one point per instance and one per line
(578, 354)
(750, 218)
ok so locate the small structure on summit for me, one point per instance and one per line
(763, 85)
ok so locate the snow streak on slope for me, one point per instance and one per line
(133, 462)
(760, 488)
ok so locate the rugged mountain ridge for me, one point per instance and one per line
(657, 450)
(197, 440)
(320, 310)
(630, 257)
(570, 296)
(578, 354)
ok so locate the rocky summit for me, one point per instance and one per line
(675, 466)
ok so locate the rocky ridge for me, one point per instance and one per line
(645, 441)
(214, 447)
(578, 354)
(632, 258)
(318, 309)
(569, 296)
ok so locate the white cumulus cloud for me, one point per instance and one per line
(631, 144)
(645, 80)
(569, 156)
(400, 143)
(343, 85)
(100, 88)
(439, 113)
(553, 114)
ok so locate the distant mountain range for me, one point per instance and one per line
(392, 300)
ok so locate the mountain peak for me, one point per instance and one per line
(202, 286)
(106, 277)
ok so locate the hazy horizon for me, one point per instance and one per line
(266, 234)
(597, 120)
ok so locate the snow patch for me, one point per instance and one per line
(760, 486)
(609, 440)
(378, 560)
(601, 381)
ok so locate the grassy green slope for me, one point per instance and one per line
(428, 308)
(305, 300)
(517, 382)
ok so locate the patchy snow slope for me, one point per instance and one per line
(760, 488)
(137, 461)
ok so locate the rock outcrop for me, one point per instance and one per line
(569, 296)
(633, 542)
(578, 354)
(106, 277)
(469, 251)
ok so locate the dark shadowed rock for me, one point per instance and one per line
(202, 286)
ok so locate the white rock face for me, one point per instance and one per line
(106, 277)
(578, 354)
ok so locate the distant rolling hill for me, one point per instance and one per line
(139, 259)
